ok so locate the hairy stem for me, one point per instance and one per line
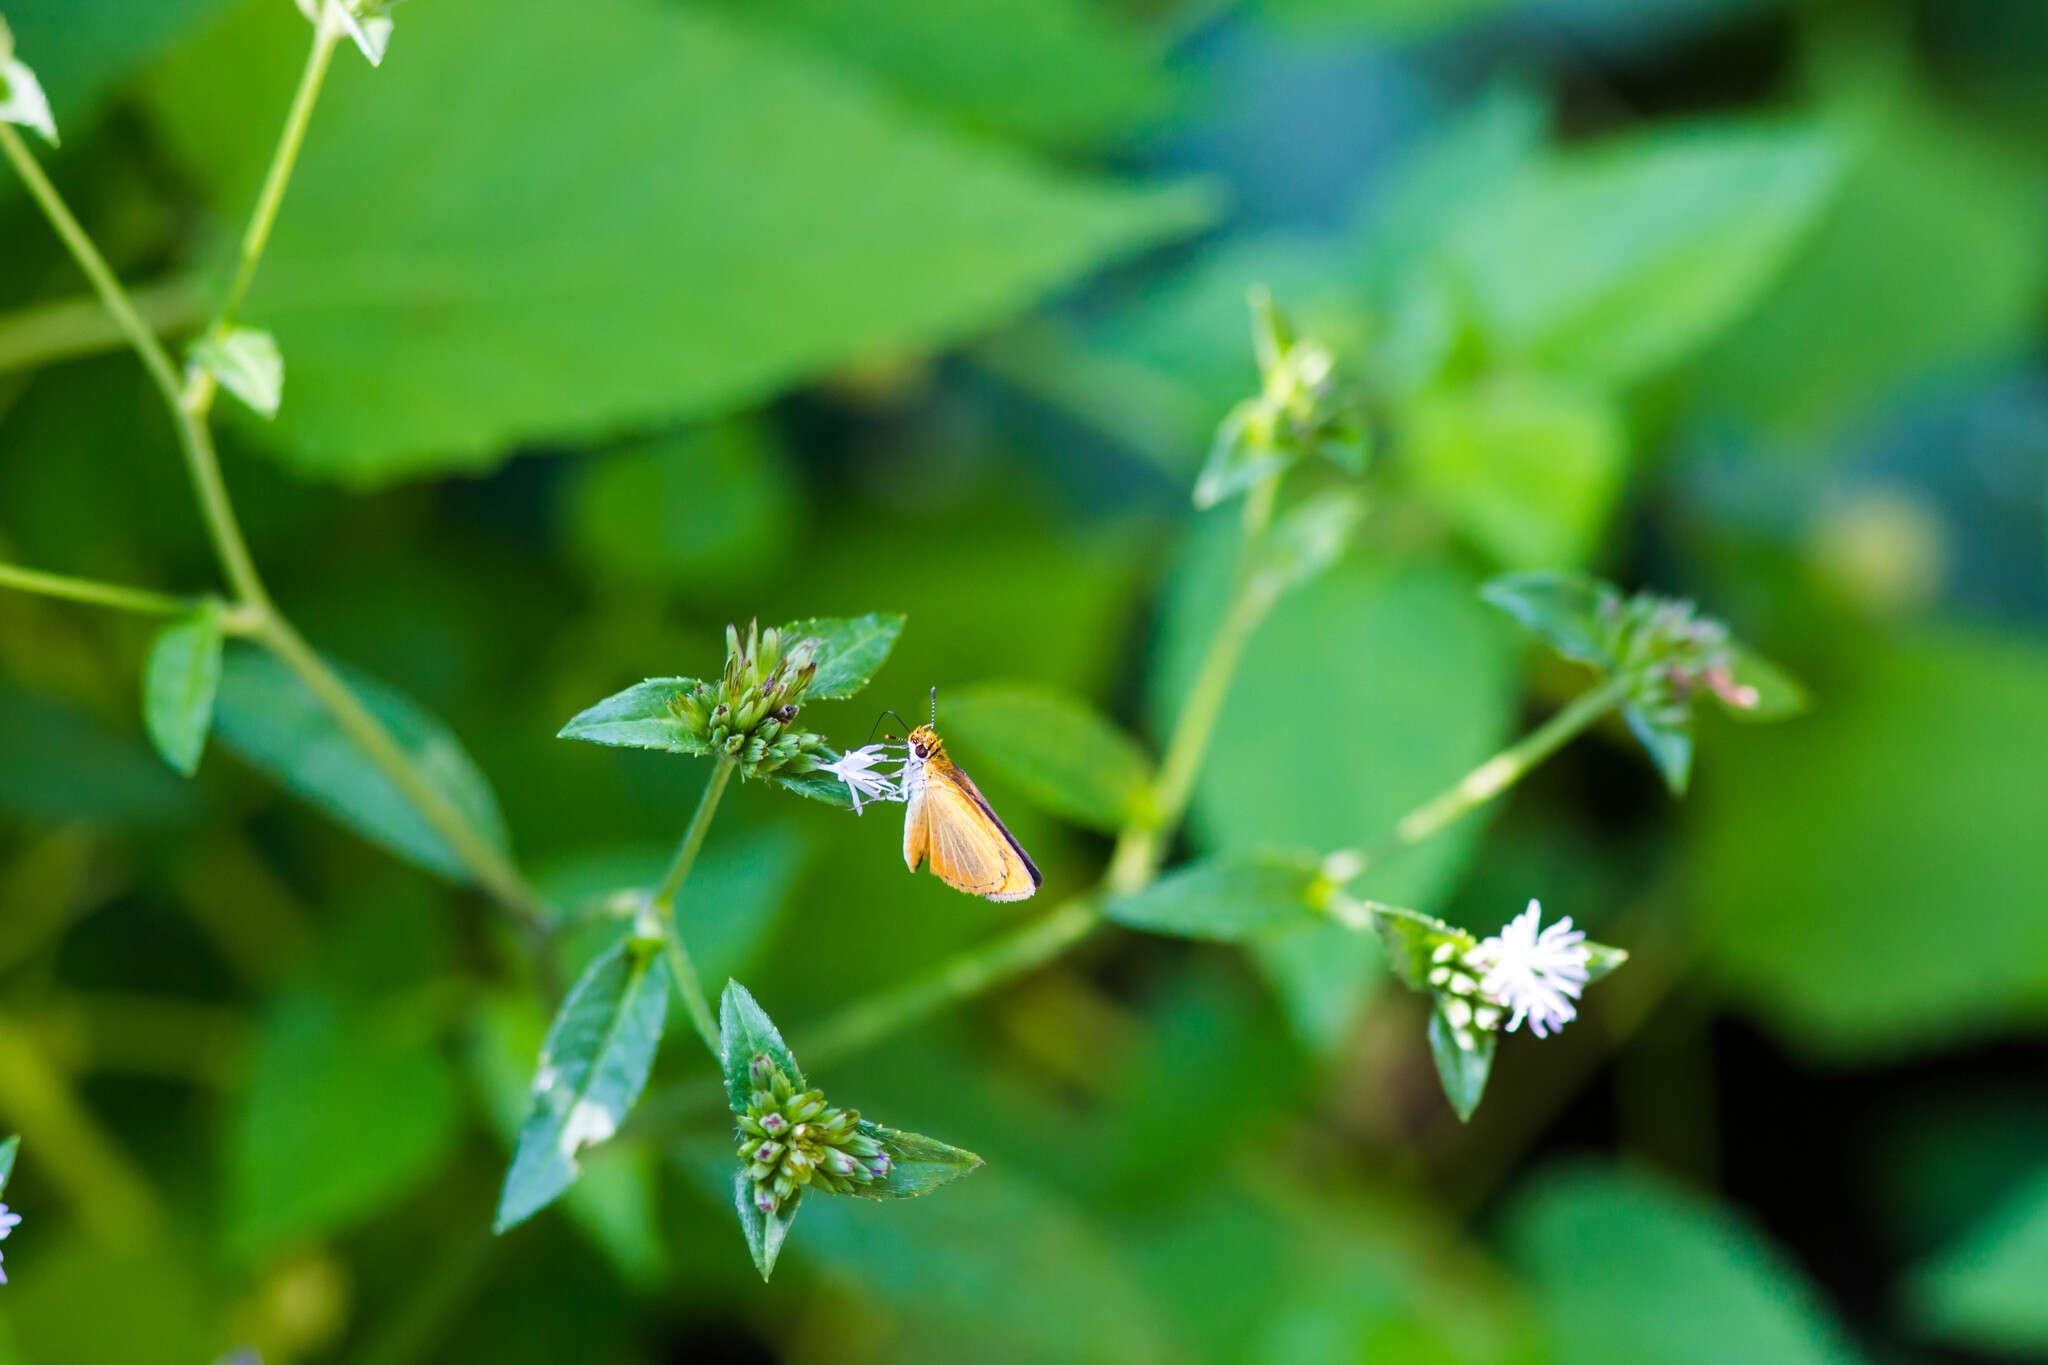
(662, 901)
(94, 592)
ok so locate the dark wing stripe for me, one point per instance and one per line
(974, 792)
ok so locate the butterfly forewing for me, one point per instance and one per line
(970, 849)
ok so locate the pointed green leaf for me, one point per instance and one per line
(247, 364)
(851, 650)
(745, 1032)
(1234, 463)
(766, 1232)
(1309, 539)
(819, 786)
(644, 716)
(267, 716)
(179, 684)
(591, 1070)
(1987, 1291)
(919, 1164)
(7, 1153)
(1564, 608)
(1414, 941)
(1778, 694)
(1055, 747)
(1668, 742)
(1602, 959)
(1229, 899)
(22, 99)
(1464, 1058)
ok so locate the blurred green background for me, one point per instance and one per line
(609, 322)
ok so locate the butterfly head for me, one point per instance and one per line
(924, 742)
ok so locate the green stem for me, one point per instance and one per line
(93, 591)
(493, 871)
(662, 901)
(281, 162)
(1500, 772)
(78, 327)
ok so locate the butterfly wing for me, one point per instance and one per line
(970, 849)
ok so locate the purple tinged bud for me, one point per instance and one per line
(843, 1164)
(774, 1123)
(881, 1165)
(767, 1151)
(764, 1200)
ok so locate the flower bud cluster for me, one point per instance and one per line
(749, 714)
(792, 1140)
(1669, 651)
(1460, 997)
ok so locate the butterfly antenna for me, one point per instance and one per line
(935, 706)
(878, 724)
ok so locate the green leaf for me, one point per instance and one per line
(179, 684)
(1413, 941)
(1562, 608)
(819, 786)
(1779, 695)
(1602, 959)
(1986, 1290)
(1668, 743)
(1234, 463)
(247, 364)
(268, 717)
(531, 276)
(1613, 262)
(919, 1164)
(851, 650)
(8, 1150)
(1309, 539)
(1055, 747)
(22, 100)
(591, 1069)
(765, 1232)
(349, 1108)
(643, 716)
(1528, 468)
(58, 764)
(1631, 1271)
(745, 1032)
(1871, 879)
(1230, 899)
(1464, 1058)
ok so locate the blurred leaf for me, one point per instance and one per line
(1413, 942)
(1059, 750)
(1463, 1058)
(349, 1108)
(1235, 461)
(1231, 899)
(1309, 539)
(641, 717)
(247, 364)
(82, 48)
(1601, 959)
(57, 763)
(592, 1067)
(1611, 263)
(60, 1312)
(22, 100)
(532, 275)
(1668, 743)
(745, 1032)
(851, 650)
(765, 1232)
(1987, 1291)
(1953, 220)
(1064, 72)
(8, 1150)
(1832, 858)
(1778, 694)
(920, 1164)
(1528, 468)
(179, 684)
(1382, 647)
(1630, 1271)
(818, 786)
(614, 1200)
(268, 717)
(1562, 608)
(1395, 18)
(711, 507)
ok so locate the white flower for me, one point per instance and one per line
(7, 1222)
(856, 768)
(1535, 974)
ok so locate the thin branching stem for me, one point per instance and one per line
(94, 592)
(662, 901)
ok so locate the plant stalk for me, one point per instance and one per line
(662, 901)
(94, 592)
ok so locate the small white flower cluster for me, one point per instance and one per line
(7, 1221)
(1535, 973)
(856, 768)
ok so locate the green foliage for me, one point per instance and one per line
(1230, 899)
(1628, 1269)
(179, 685)
(850, 650)
(1464, 1059)
(9, 1149)
(1057, 749)
(246, 363)
(1985, 1291)
(267, 717)
(599, 281)
(647, 715)
(592, 1067)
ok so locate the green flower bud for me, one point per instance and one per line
(789, 1141)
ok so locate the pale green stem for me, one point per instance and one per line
(281, 162)
(662, 901)
(79, 327)
(94, 592)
